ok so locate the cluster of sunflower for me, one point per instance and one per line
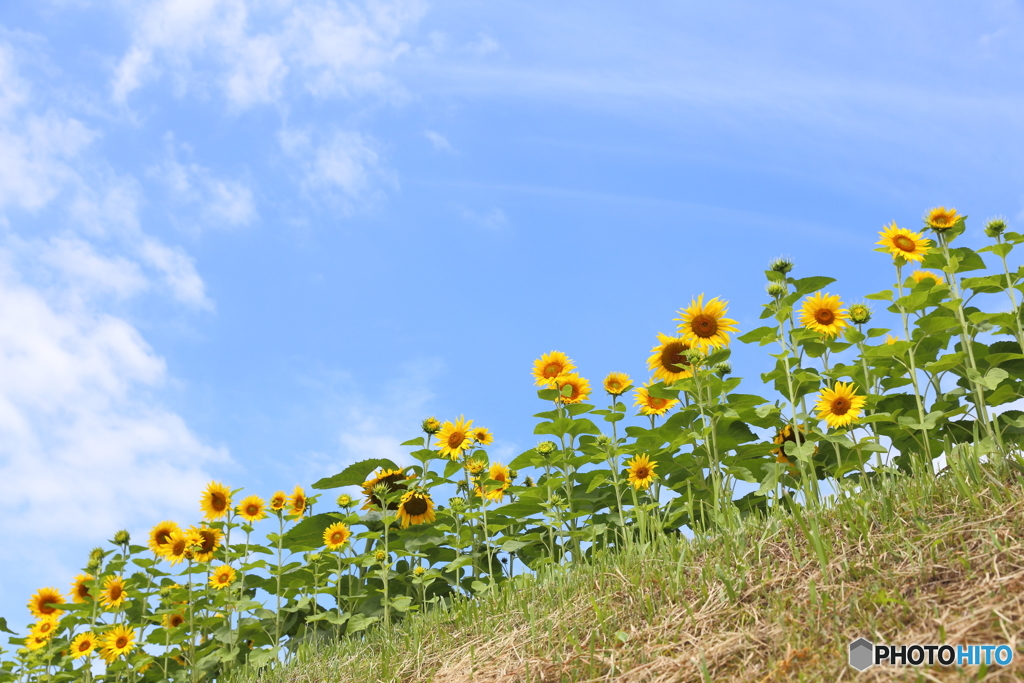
(700, 436)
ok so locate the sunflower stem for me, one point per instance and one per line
(898, 262)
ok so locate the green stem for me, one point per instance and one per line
(913, 365)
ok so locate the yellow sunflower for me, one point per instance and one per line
(40, 603)
(159, 535)
(83, 645)
(222, 577)
(173, 619)
(668, 359)
(454, 439)
(578, 388)
(180, 546)
(216, 501)
(902, 242)
(617, 383)
(252, 509)
(45, 626)
(482, 436)
(941, 219)
(209, 542)
(113, 594)
(824, 314)
(116, 642)
(297, 501)
(35, 641)
(393, 479)
(652, 405)
(890, 340)
(550, 367)
(922, 275)
(278, 501)
(498, 473)
(704, 325)
(786, 434)
(641, 471)
(80, 588)
(840, 406)
(416, 507)
(336, 535)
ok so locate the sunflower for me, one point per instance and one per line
(652, 405)
(941, 219)
(392, 479)
(40, 603)
(159, 535)
(902, 242)
(45, 626)
(336, 535)
(704, 326)
(617, 383)
(669, 359)
(173, 619)
(216, 501)
(416, 507)
(297, 501)
(890, 340)
(180, 545)
(823, 314)
(222, 577)
(482, 436)
(252, 509)
(209, 541)
(786, 434)
(840, 406)
(278, 501)
(578, 388)
(83, 645)
(80, 588)
(641, 471)
(498, 473)
(36, 641)
(454, 439)
(113, 594)
(551, 366)
(116, 642)
(922, 275)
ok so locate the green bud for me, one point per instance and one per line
(122, 537)
(344, 500)
(776, 290)
(419, 571)
(995, 227)
(860, 313)
(529, 482)
(380, 555)
(546, 447)
(781, 264)
(724, 368)
(431, 425)
(457, 503)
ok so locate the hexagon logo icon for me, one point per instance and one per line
(861, 654)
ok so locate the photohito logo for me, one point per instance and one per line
(864, 654)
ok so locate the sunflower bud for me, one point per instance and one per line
(122, 537)
(165, 591)
(314, 557)
(529, 482)
(419, 571)
(722, 369)
(92, 566)
(24, 651)
(555, 500)
(546, 448)
(776, 290)
(860, 313)
(995, 227)
(781, 264)
(457, 504)
(461, 485)
(431, 425)
(96, 556)
(344, 501)
(380, 555)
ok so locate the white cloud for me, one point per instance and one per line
(439, 141)
(34, 155)
(491, 219)
(178, 272)
(483, 45)
(91, 272)
(344, 161)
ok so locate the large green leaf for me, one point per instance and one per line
(355, 474)
(309, 533)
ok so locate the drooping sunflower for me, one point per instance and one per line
(786, 434)
(840, 406)
(159, 536)
(80, 588)
(209, 542)
(617, 383)
(118, 641)
(336, 535)
(499, 473)
(83, 645)
(551, 366)
(113, 594)
(668, 359)
(573, 388)
(941, 219)
(173, 619)
(44, 602)
(45, 626)
(416, 507)
(454, 439)
(252, 509)
(922, 275)
(222, 577)
(482, 436)
(215, 501)
(641, 471)
(297, 501)
(704, 325)
(824, 314)
(903, 242)
(278, 501)
(652, 405)
(393, 479)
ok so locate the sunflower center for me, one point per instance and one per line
(337, 537)
(84, 645)
(223, 578)
(657, 403)
(552, 369)
(208, 542)
(840, 405)
(162, 537)
(252, 510)
(218, 502)
(415, 506)
(121, 642)
(642, 472)
(115, 592)
(674, 356)
(704, 325)
(904, 243)
(456, 439)
(824, 316)
(614, 384)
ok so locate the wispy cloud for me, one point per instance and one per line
(489, 219)
(342, 164)
(439, 141)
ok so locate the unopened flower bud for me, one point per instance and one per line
(122, 537)
(512, 474)
(995, 227)
(529, 482)
(344, 500)
(419, 571)
(860, 313)
(724, 368)
(457, 503)
(546, 447)
(314, 557)
(781, 264)
(776, 290)
(380, 555)
(431, 425)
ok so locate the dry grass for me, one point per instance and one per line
(908, 561)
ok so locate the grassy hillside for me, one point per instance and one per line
(904, 560)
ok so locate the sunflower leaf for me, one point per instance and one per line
(809, 285)
(3, 627)
(309, 533)
(355, 474)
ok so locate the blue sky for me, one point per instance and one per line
(257, 240)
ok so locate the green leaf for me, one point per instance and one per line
(1000, 250)
(3, 627)
(764, 335)
(991, 379)
(355, 474)
(809, 285)
(418, 441)
(309, 533)
(804, 451)
(547, 394)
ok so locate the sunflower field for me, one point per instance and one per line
(255, 578)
